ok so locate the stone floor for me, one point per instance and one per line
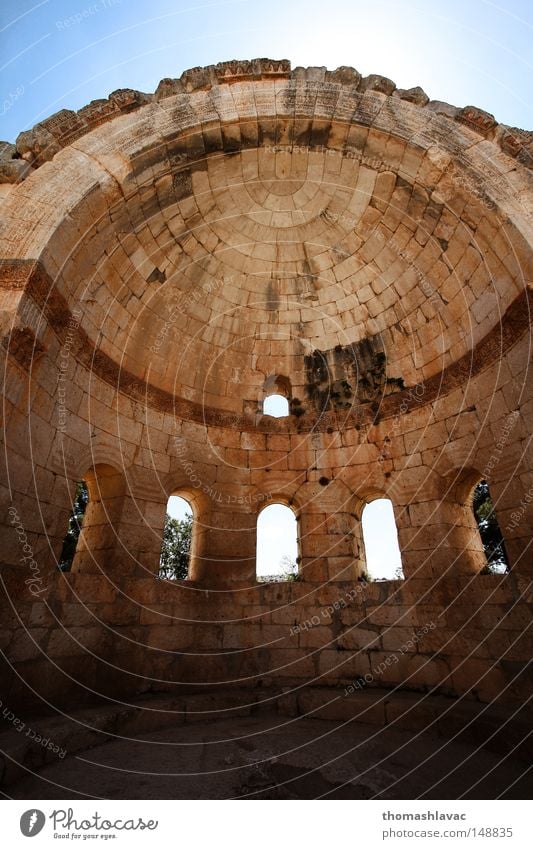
(276, 757)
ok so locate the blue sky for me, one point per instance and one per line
(64, 53)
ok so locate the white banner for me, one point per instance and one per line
(256, 825)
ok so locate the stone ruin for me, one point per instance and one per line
(170, 259)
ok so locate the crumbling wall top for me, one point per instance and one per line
(40, 144)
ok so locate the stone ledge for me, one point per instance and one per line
(45, 139)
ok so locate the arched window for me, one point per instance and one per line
(380, 538)
(79, 506)
(277, 544)
(177, 540)
(276, 391)
(489, 529)
(276, 405)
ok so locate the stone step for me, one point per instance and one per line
(28, 746)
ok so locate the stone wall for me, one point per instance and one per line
(427, 460)
(164, 259)
(86, 638)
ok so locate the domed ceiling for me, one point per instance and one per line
(251, 238)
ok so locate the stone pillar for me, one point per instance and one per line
(329, 540)
(99, 544)
(508, 464)
(329, 550)
(139, 536)
(439, 537)
(224, 546)
(33, 509)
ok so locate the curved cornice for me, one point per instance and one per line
(40, 144)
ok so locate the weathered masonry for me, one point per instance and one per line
(170, 260)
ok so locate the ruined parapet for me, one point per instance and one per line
(45, 139)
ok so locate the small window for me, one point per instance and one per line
(277, 544)
(177, 540)
(489, 530)
(276, 406)
(81, 500)
(380, 538)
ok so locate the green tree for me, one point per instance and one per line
(489, 530)
(81, 500)
(176, 548)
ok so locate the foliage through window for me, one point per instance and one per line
(176, 548)
(81, 500)
(489, 530)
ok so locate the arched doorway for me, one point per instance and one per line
(380, 539)
(176, 545)
(277, 543)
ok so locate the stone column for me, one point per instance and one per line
(439, 537)
(224, 547)
(139, 536)
(328, 528)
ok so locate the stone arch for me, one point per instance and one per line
(293, 529)
(463, 486)
(172, 565)
(361, 498)
(200, 504)
(276, 387)
(102, 451)
(397, 319)
(286, 496)
(370, 536)
(277, 384)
